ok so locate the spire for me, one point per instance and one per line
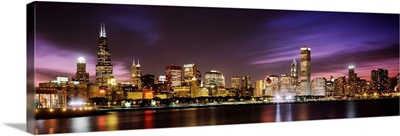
(138, 64)
(294, 62)
(133, 62)
(102, 30)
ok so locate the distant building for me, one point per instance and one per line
(147, 80)
(189, 71)
(173, 75)
(245, 86)
(81, 75)
(198, 78)
(104, 68)
(398, 82)
(136, 73)
(272, 85)
(260, 88)
(340, 86)
(286, 84)
(235, 82)
(319, 86)
(380, 80)
(305, 65)
(214, 79)
(162, 79)
(352, 81)
(294, 73)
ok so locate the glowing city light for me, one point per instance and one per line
(351, 67)
(81, 60)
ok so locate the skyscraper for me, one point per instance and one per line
(235, 82)
(260, 86)
(319, 86)
(104, 68)
(272, 85)
(136, 72)
(380, 80)
(245, 85)
(81, 74)
(214, 79)
(189, 71)
(173, 75)
(352, 81)
(293, 72)
(305, 65)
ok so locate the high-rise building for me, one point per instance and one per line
(260, 87)
(352, 81)
(294, 73)
(286, 84)
(104, 68)
(198, 77)
(189, 71)
(136, 73)
(305, 65)
(147, 80)
(81, 75)
(340, 86)
(214, 79)
(245, 85)
(173, 75)
(380, 80)
(272, 85)
(194, 88)
(235, 82)
(319, 86)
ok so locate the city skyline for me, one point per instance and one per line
(228, 45)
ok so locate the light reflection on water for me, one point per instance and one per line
(214, 116)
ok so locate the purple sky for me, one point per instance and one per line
(236, 42)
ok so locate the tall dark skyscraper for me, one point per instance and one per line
(104, 68)
(81, 74)
(352, 81)
(380, 80)
(305, 65)
(293, 72)
(245, 85)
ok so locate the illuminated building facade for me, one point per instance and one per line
(318, 86)
(294, 73)
(214, 79)
(189, 71)
(81, 75)
(136, 73)
(398, 82)
(104, 69)
(305, 65)
(260, 87)
(194, 87)
(380, 80)
(286, 84)
(235, 82)
(245, 85)
(340, 86)
(352, 81)
(162, 79)
(272, 85)
(173, 75)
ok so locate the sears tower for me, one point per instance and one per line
(104, 69)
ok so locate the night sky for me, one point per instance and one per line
(236, 42)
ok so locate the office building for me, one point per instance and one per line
(305, 65)
(104, 68)
(81, 75)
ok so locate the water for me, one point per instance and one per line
(146, 119)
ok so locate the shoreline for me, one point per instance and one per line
(71, 113)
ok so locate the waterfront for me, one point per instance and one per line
(144, 119)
